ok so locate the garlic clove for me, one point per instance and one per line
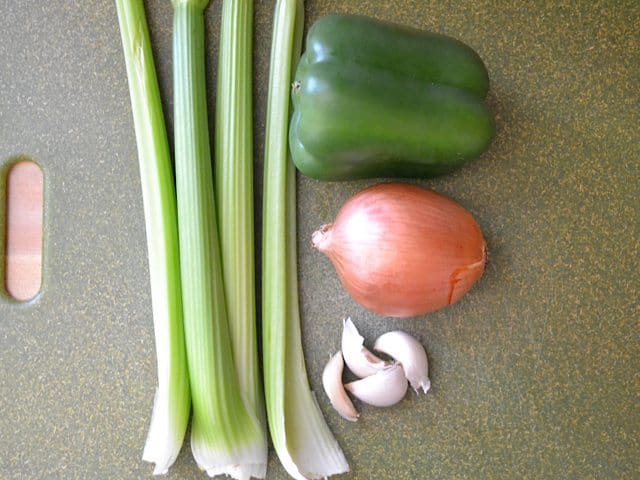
(383, 389)
(357, 357)
(332, 383)
(410, 353)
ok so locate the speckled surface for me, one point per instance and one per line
(535, 373)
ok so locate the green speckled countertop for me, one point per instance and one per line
(536, 373)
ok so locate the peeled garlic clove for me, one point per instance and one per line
(406, 350)
(358, 357)
(387, 387)
(332, 383)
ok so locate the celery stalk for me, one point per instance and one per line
(234, 193)
(172, 400)
(301, 438)
(225, 436)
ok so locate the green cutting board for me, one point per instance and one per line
(535, 372)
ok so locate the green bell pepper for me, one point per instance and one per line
(374, 99)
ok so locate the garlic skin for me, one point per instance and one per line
(384, 389)
(332, 384)
(410, 353)
(358, 357)
(401, 250)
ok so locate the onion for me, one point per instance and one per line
(401, 250)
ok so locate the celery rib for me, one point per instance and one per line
(234, 193)
(226, 437)
(300, 435)
(172, 399)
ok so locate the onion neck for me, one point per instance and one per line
(321, 238)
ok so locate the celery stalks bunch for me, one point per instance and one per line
(226, 436)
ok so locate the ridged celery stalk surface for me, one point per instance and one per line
(301, 438)
(226, 437)
(172, 402)
(234, 193)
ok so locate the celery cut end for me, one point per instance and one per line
(240, 461)
(164, 439)
(244, 472)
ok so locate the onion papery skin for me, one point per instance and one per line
(401, 250)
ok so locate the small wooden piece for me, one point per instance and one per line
(25, 201)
